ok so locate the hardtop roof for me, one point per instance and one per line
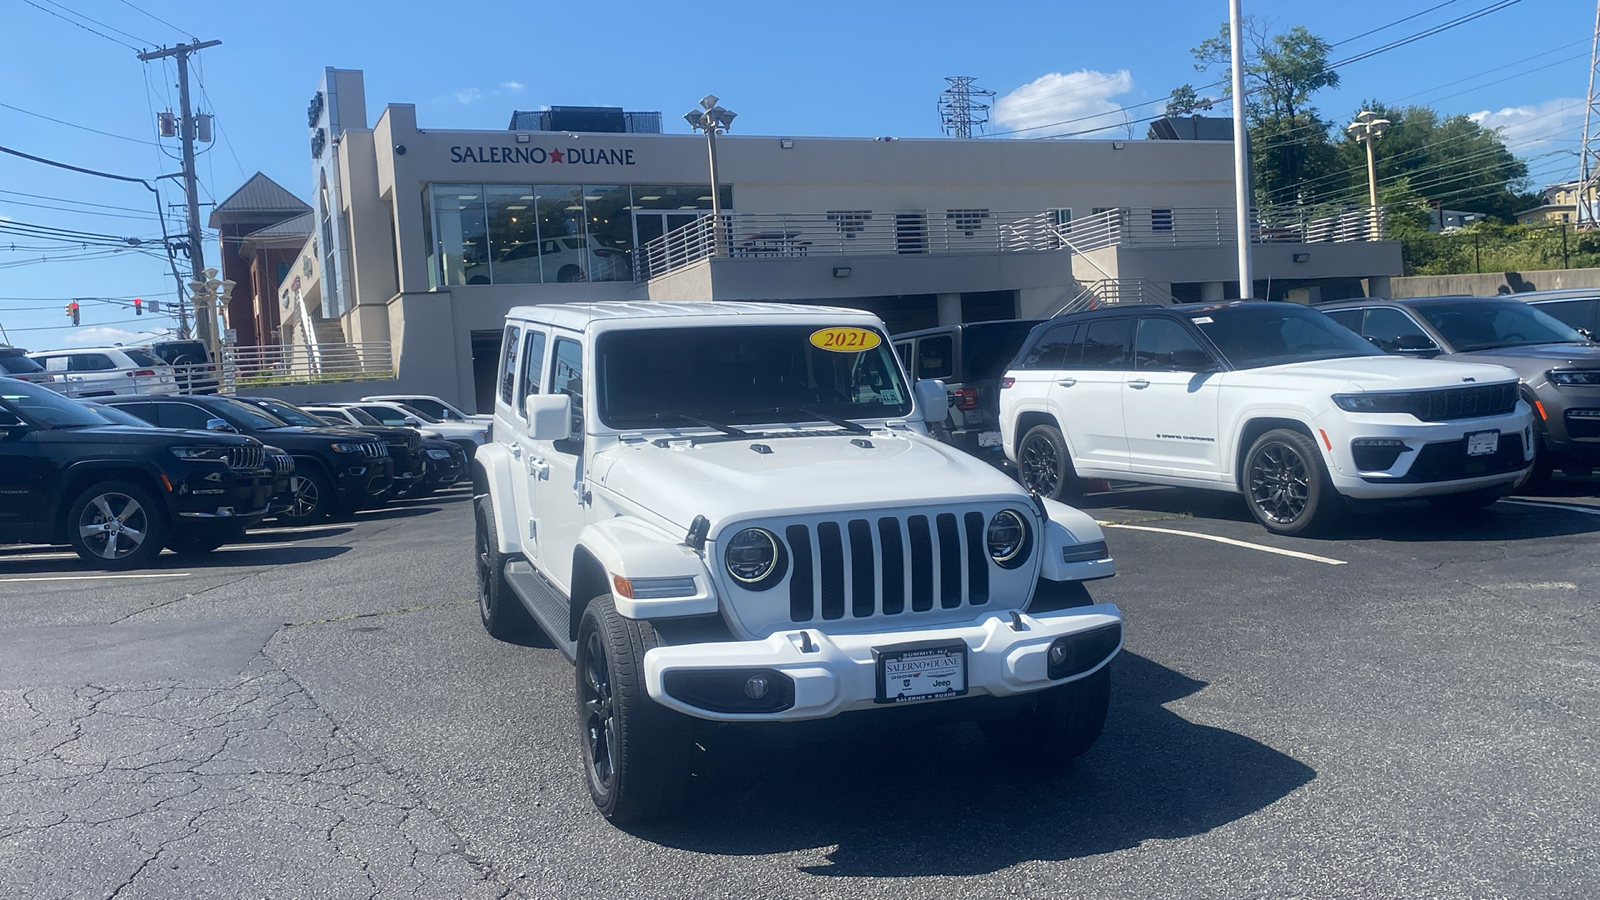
(582, 316)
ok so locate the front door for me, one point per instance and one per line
(1170, 401)
(533, 470)
(1088, 397)
(24, 487)
(558, 493)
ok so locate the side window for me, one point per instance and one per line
(56, 364)
(532, 365)
(1349, 318)
(1576, 313)
(181, 415)
(566, 377)
(1393, 331)
(391, 416)
(1166, 346)
(90, 362)
(903, 350)
(508, 363)
(145, 411)
(1053, 349)
(936, 357)
(1105, 346)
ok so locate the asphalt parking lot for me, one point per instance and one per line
(1407, 711)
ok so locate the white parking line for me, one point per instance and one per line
(1231, 542)
(95, 577)
(1586, 510)
(67, 554)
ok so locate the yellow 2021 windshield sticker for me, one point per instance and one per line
(844, 339)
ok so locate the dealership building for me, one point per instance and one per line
(421, 239)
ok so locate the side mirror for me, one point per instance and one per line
(220, 425)
(549, 416)
(1415, 343)
(12, 429)
(930, 394)
(413, 421)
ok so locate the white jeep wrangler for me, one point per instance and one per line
(733, 512)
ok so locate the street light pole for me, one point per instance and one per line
(711, 118)
(1367, 128)
(1241, 153)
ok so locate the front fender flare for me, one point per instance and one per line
(648, 561)
(1068, 530)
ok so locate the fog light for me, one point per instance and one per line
(756, 687)
(1075, 654)
(1376, 454)
(1058, 654)
(731, 690)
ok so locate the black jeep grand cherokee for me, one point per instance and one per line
(119, 494)
(335, 469)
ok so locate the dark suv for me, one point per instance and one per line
(119, 494)
(336, 469)
(405, 444)
(14, 363)
(1559, 366)
(970, 360)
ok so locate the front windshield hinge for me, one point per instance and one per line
(698, 529)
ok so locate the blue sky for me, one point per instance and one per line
(823, 68)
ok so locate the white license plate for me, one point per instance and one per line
(1483, 443)
(988, 439)
(921, 672)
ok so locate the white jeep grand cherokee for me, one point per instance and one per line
(733, 512)
(1272, 400)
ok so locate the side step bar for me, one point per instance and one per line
(545, 602)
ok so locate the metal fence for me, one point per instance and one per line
(1201, 226)
(241, 367)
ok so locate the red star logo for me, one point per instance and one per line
(555, 156)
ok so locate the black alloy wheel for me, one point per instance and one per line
(1287, 486)
(503, 615)
(311, 498)
(1044, 466)
(598, 715)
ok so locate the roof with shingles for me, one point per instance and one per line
(258, 195)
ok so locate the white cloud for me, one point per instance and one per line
(1040, 105)
(467, 95)
(1526, 128)
(107, 335)
(512, 86)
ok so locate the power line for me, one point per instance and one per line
(131, 209)
(1363, 34)
(80, 15)
(81, 25)
(71, 124)
(157, 18)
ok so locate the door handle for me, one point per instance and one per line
(1067, 382)
(1139, 383)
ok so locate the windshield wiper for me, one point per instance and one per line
(705, 423)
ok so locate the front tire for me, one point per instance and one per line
(1286, 485)
(1063, 724)
(635, 752)
(116, 525)
(311, 497)
(1044, 465)
(503, 615)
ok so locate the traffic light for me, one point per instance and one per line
(138, 307)
(72, 310)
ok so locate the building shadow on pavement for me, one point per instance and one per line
(935, 800)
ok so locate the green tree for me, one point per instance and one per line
(1289, 140)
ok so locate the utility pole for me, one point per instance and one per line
(1241, 153)
(1588, 154)
(205, 321)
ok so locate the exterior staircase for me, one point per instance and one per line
(1118, 291)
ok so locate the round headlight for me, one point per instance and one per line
(1008, 539)
(755, 558)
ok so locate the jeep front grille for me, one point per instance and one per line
(1465, 402)
(247, 457)
(282, 464)
(374, 449)
(886, 565)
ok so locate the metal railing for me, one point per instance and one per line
(846, 232)
(240, 367)
(1127, 227)
(1112, 291)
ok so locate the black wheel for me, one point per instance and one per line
(504, 616)
(1543, 469)
(116, 525)
(1467, 501)
(635, 752)
(194, 541)
(1063, 724)
(569, 274)
(1287, 486)
(1044, 465)
(311, 497)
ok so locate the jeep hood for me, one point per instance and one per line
(1377, 373)
(1534, 359)
(728, 480)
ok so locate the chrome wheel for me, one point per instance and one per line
(598, 708)
(1039, 466)
(1280, 483)
(113, 526)
(306, 497)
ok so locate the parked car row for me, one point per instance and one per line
(1303, 411)
(121, 478)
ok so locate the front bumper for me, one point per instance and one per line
(214, 491)
(362, 479)
(839, 673)
(1435, 460)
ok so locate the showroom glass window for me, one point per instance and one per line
(550, 234)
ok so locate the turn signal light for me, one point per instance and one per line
(1007, 382)
(142, 373)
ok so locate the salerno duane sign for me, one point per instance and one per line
(538, 156)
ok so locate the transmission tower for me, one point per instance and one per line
(962, 106)
(1589, 166)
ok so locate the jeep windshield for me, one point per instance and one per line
(744, 375)
(1486, 324)
(44, 406)
(1252, 335)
